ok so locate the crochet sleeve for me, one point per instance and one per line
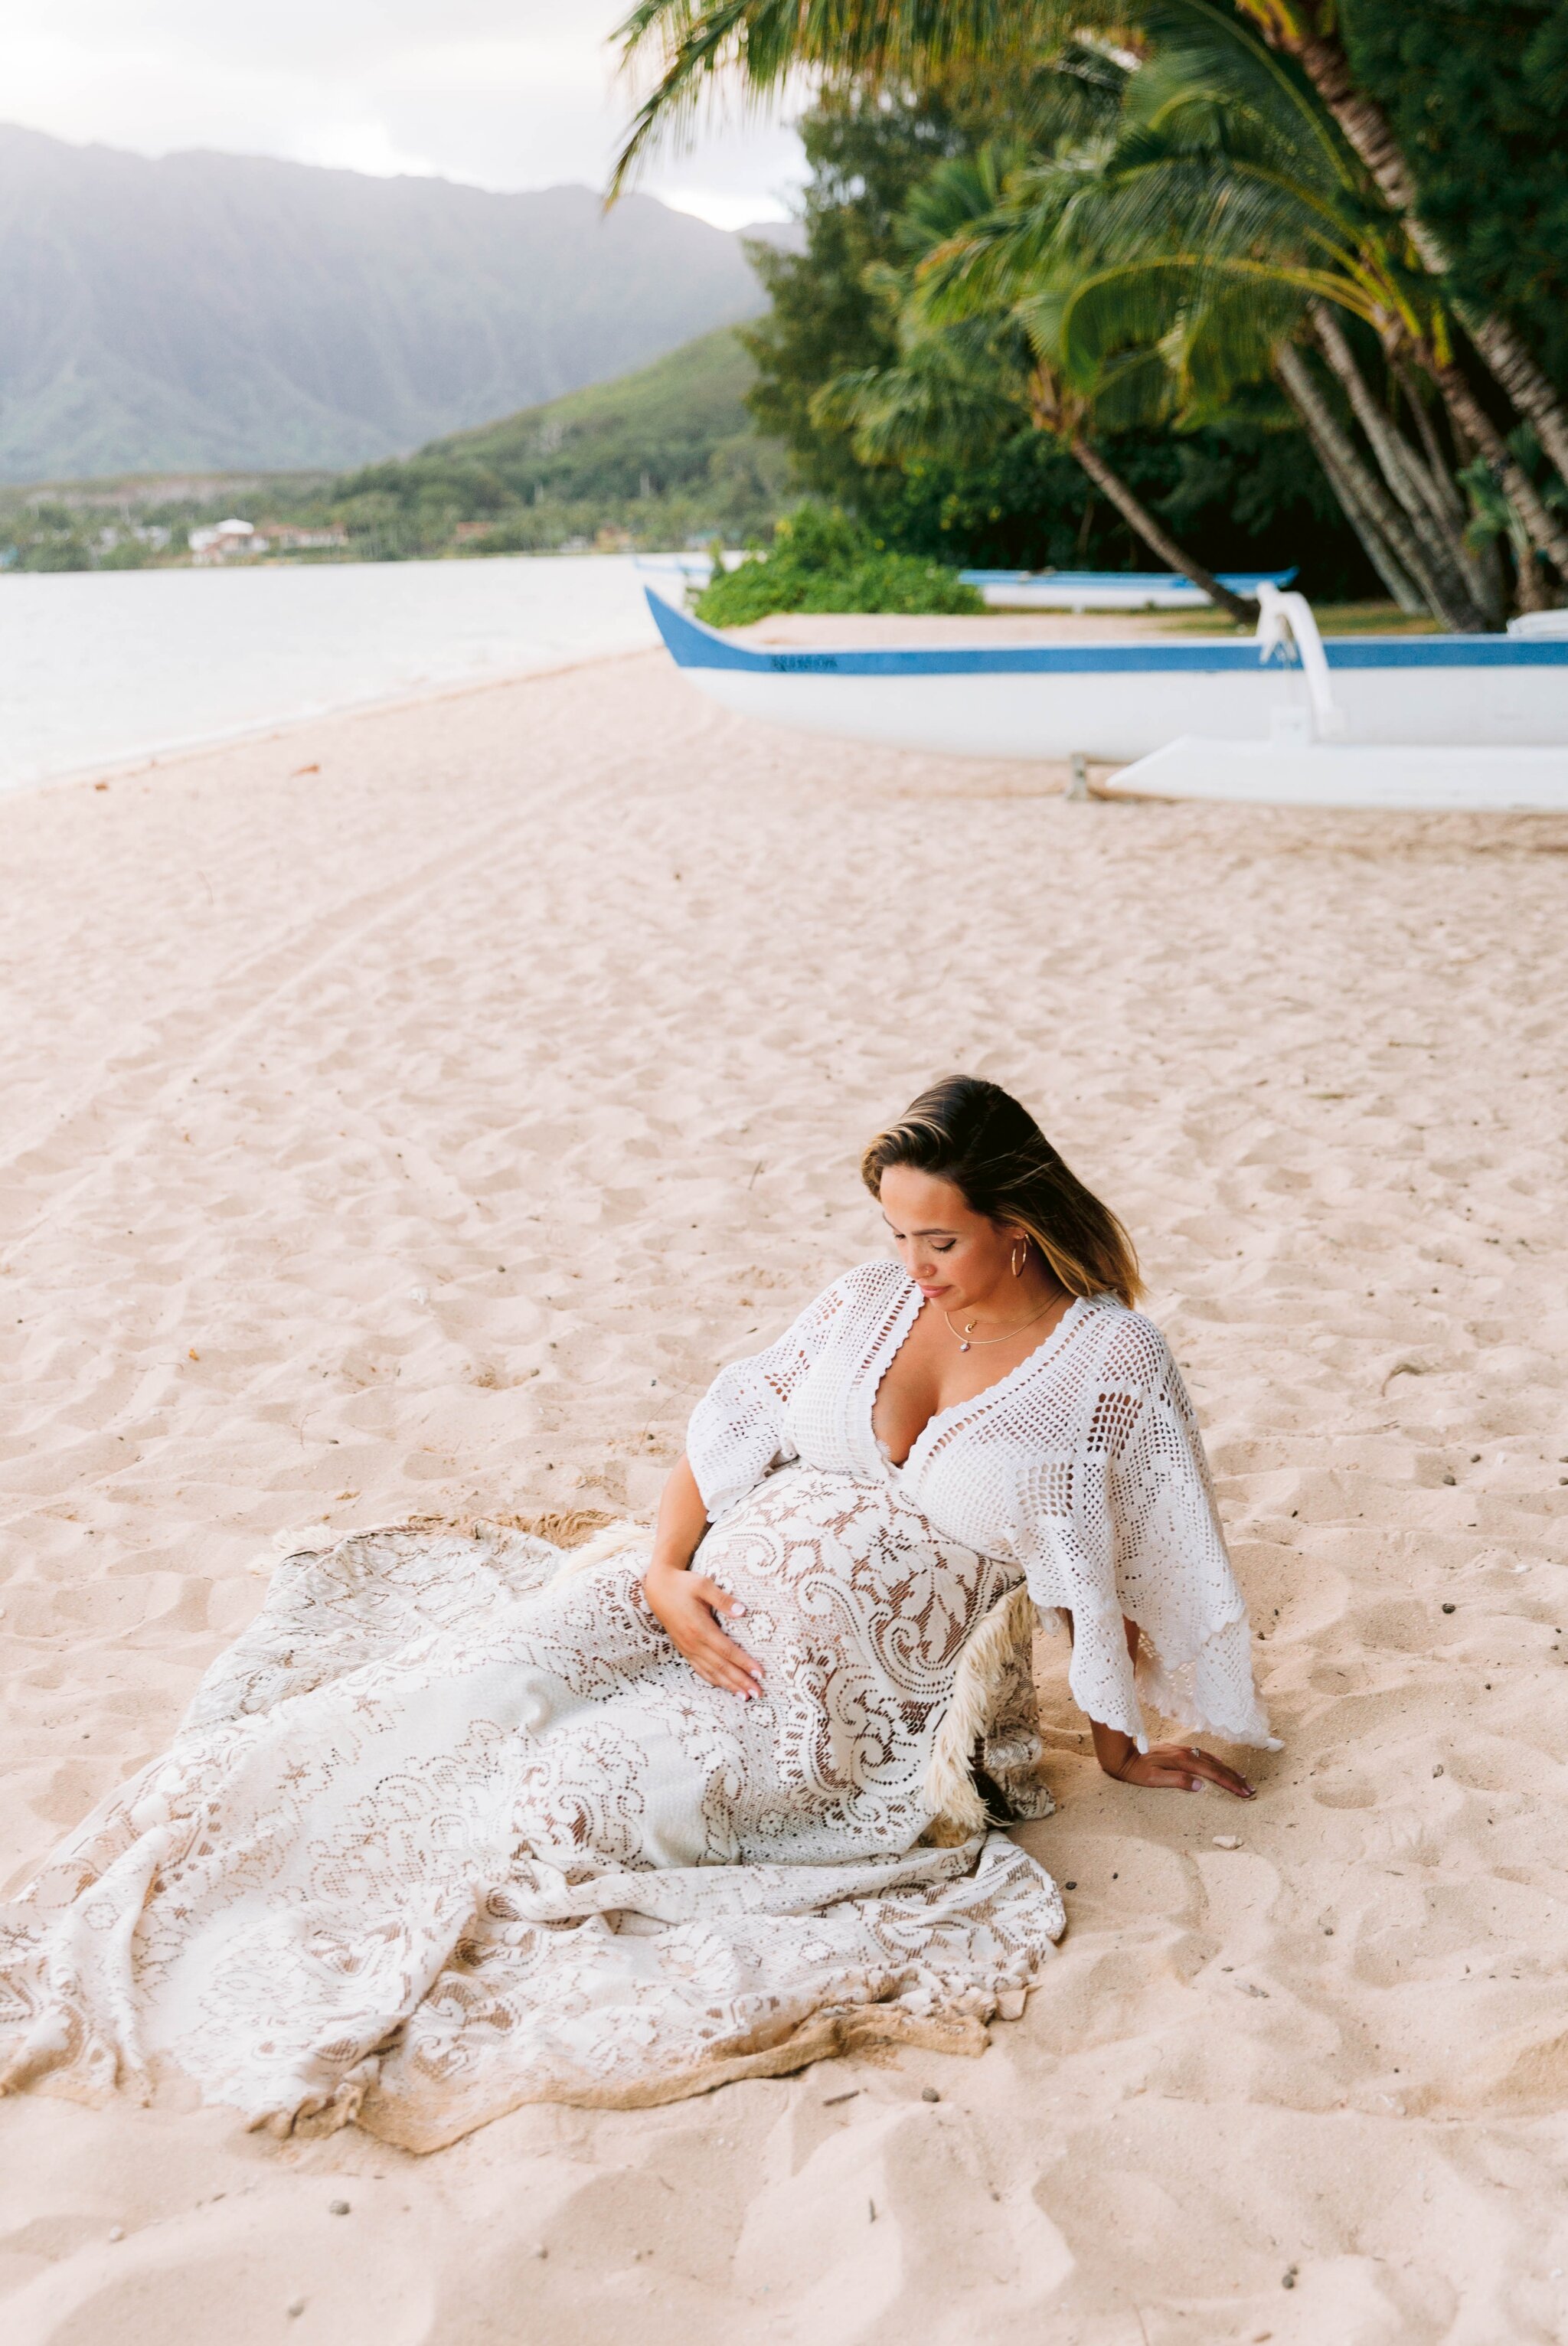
(1130, 1530)
(1172, 1569)
(737, 1430)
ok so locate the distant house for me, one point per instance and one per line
(223, 539)
(284, 537)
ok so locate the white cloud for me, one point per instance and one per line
(502, 93)
(721, 211)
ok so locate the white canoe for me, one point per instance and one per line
(1115, 702)
(1108, 590)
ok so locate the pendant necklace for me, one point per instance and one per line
(968, 1340)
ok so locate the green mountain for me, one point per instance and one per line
(663, 454)
(225, 313)
(651, 458)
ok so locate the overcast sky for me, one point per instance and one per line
(503, 93)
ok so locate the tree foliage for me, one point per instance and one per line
(1242, 487)
(1220, 218)
(1444, 319)
(866, 158)
(821, 560)
(1478, 91)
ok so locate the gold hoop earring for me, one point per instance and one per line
(1020, 1257)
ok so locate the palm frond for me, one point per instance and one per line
(947, 397)
(697, 49)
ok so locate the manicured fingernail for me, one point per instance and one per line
(735, 1611)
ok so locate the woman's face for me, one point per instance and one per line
(954, 1255)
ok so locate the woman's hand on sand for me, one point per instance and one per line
(691, 1608)
(1181, 1768)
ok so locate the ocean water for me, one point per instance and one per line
(98, 668)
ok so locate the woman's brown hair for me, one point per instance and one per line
(973, 1134)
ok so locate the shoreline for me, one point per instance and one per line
(112, 670)
(173, 754)
(785, 628)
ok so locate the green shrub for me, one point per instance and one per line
(823, 561)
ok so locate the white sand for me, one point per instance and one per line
(408, 1112)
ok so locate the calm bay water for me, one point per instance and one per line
(100, 668)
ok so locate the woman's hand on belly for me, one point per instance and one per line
(691, 1608)
(689, 1605)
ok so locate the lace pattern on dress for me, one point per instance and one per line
(452, 1827)
(1084, 1466)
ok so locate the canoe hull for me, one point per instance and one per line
(1115, 702)
(1111, 718)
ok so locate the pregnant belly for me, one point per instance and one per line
(839, 1574)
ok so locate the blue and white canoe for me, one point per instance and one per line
(1487, 714)
(1108, 590)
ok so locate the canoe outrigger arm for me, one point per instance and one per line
(1284, 619)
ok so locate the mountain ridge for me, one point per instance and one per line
(216, 313)
(655, 455)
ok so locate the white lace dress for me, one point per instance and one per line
(453, 1827)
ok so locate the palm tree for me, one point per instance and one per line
(1225, 174)
(962, 385)
(1306, 31)
(765, 44)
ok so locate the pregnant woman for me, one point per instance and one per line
(464, 1820)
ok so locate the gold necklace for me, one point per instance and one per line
(968, 1340)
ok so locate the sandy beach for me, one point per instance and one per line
(451, 1088)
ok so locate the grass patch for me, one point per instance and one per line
(823, 561)
(1333, 619)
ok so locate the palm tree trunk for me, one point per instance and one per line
(1370, 132)
(1547, 533)
(1137, 517)
(1348, 489)
(1532, 586)
(1299, 382)
(1409, 480)
(1441, 470)
(1351, 487)
(1484, 557)
(1512, 366)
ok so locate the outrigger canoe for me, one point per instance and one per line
(1113, 703)
(1109, 590)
